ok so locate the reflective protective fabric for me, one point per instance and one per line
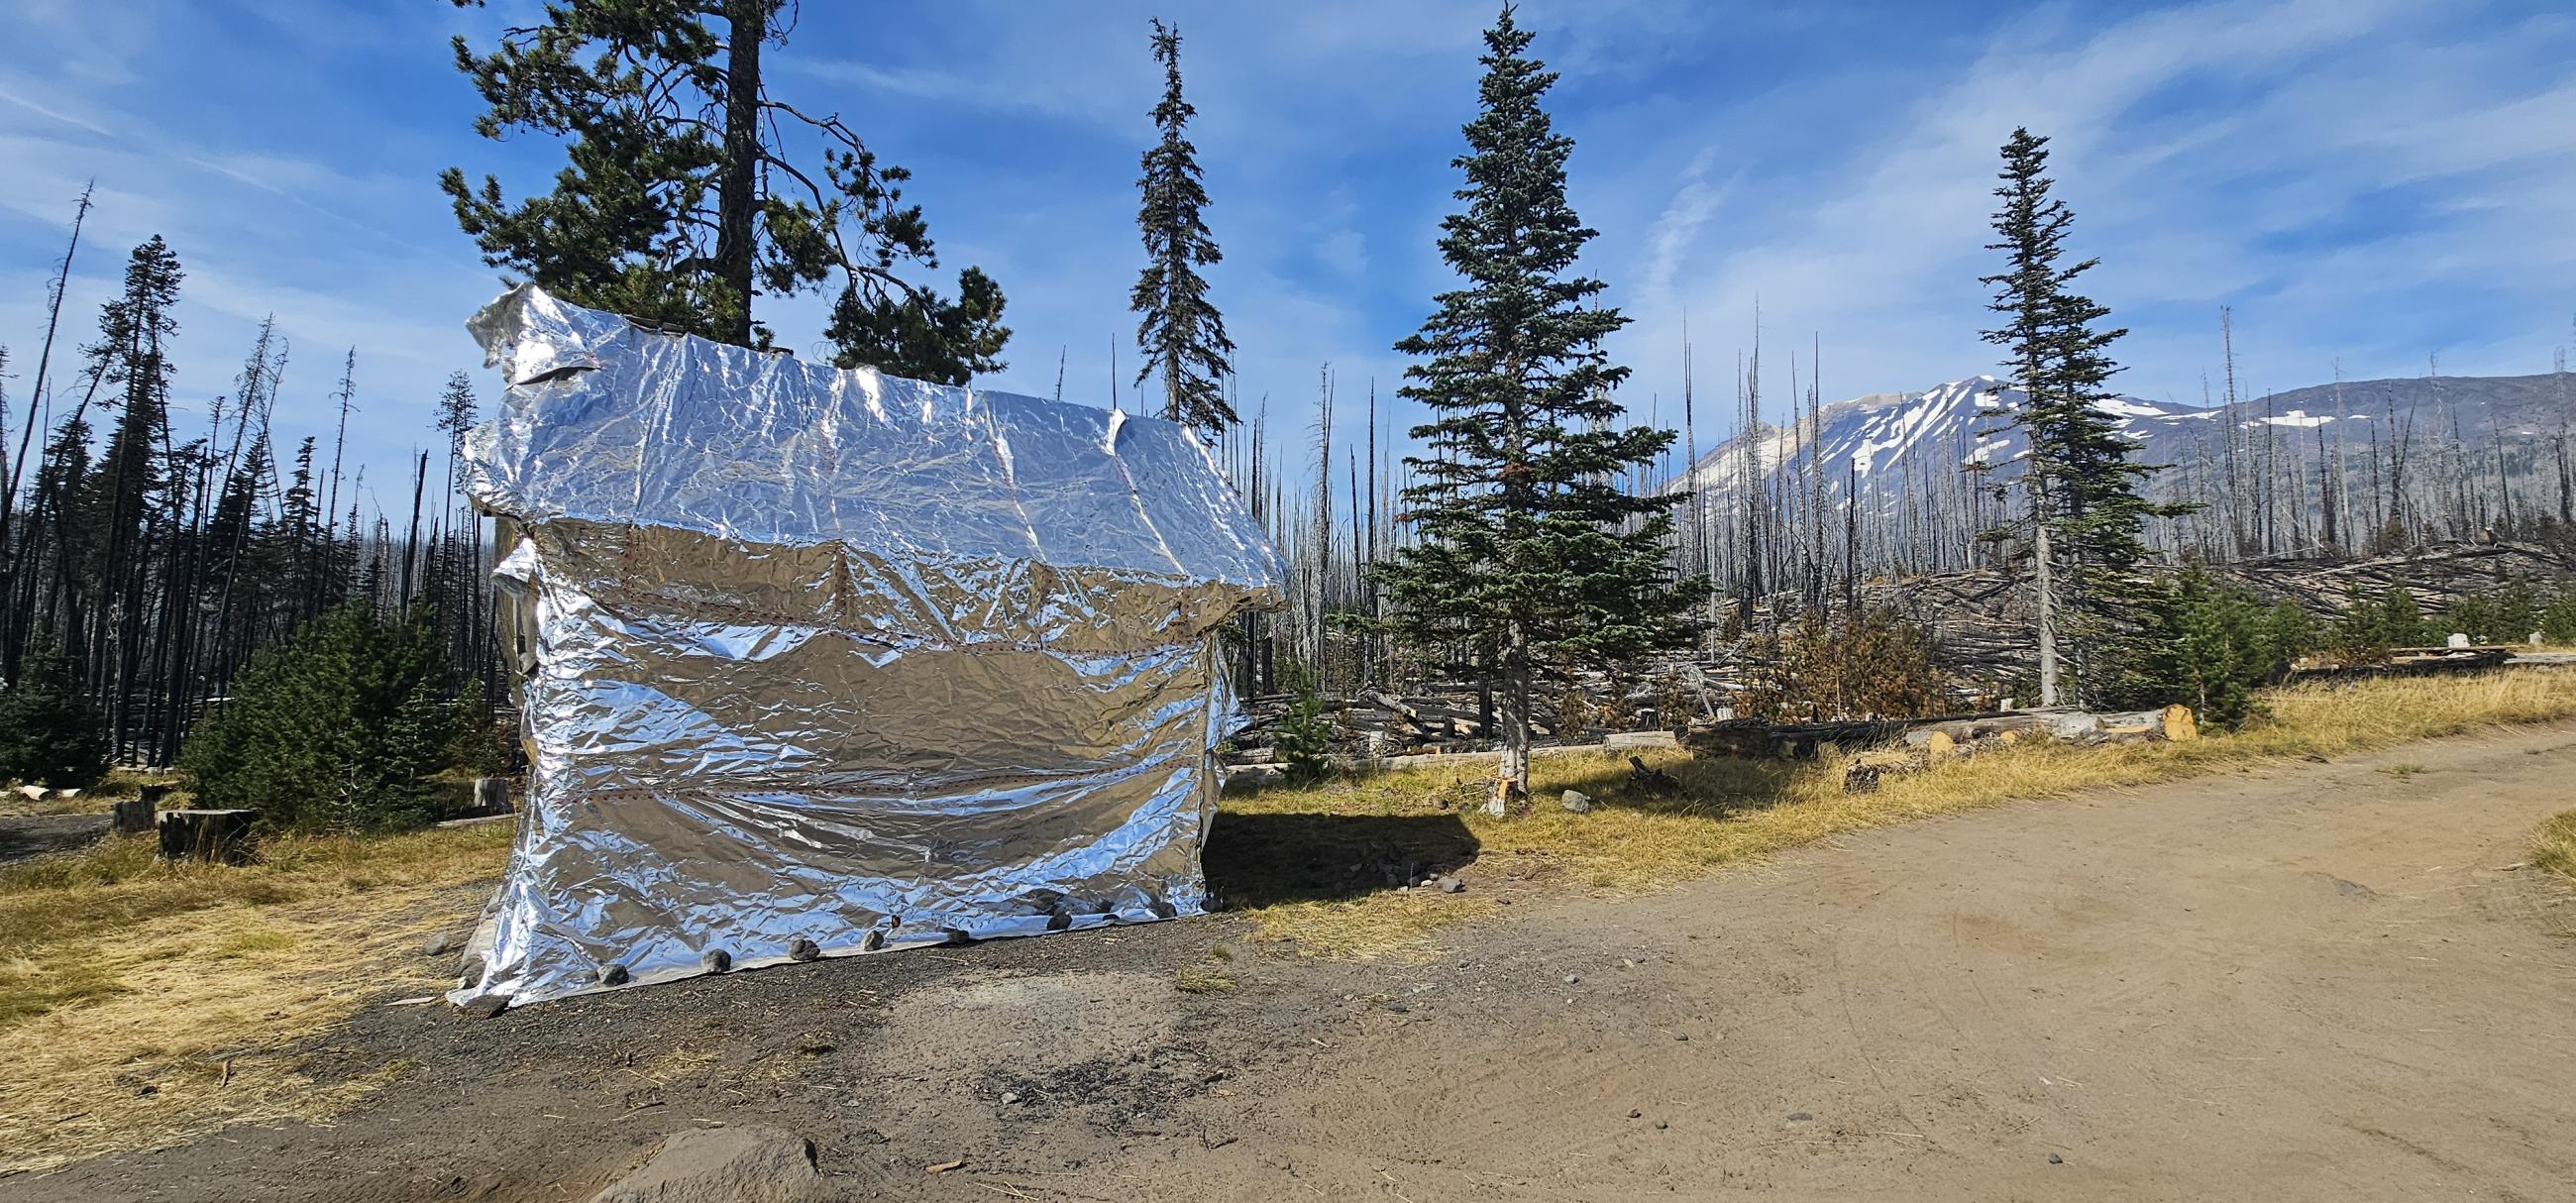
(829, 656)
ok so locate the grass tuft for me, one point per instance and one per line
(2555, 848)
(1192, 979)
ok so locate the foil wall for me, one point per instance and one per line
(823, 662)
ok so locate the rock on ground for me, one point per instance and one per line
(752, 1164)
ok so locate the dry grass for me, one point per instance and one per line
(2555, 848)
(1310, 877)
(119, 784)
(141, 1003)
(1199, 979)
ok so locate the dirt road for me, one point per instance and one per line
(2318, 982)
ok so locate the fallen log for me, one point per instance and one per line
(2426, 662)
(1943, 735)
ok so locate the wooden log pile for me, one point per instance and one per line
(2439, 576)
(1946, 735)
(1981, 619)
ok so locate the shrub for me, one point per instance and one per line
(336, 730)
(2477, 617)
(2517, 615)
(2209, 644)
(2292, 632)
(47, 734)
(2558, 618)
(1870, 665)
(1305, 741)
(2369, 627)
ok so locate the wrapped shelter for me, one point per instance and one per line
(815, 662)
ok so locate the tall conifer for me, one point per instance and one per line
(1528, 545)
(2086, 514)
(1182, 335)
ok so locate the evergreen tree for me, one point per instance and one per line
(2210, 644)
(1182, 336)
(131, 357)
(2086, 513)
(128, 500)
(46, 734)
(681, 202)
(1526, 537)
(455, 417)
(53, 596)
(336, 730)
(932, 340)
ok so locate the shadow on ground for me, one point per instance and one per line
(1266, 859)
(1705, 787)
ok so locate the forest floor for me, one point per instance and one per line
(2328, 980)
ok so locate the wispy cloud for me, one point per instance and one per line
(2362, 179)
(2185, 139)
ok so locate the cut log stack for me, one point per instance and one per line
(2419, 662)
(1946, 736)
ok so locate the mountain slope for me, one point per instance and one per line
(1886, 443)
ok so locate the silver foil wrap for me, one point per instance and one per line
(824, 661)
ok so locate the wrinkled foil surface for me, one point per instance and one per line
(827, 662)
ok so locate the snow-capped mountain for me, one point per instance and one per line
(1889, 445)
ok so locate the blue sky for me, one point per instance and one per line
(2365, 182)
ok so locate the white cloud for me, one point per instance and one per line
(2190, 142)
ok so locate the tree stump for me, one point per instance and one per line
(133, 817)
(491, 795)
(2179, 724)
(207, 835)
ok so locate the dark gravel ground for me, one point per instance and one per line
(888, 1063)
(25, 836)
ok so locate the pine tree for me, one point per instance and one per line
(928, 340)
(126, 507)
(46, 734)
(336, 729)
(1182, 336)
(1526, 537)
(2086, 514)
(455, 417)
(2211, 644)
(679, 202)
